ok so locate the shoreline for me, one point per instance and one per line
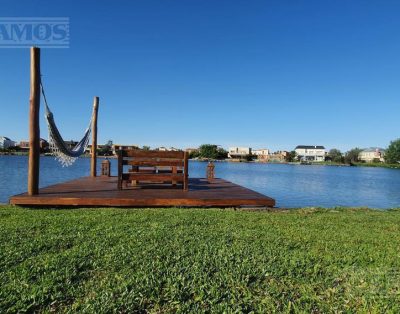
(323, 163)
(297, 163)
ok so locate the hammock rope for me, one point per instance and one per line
(58, 147)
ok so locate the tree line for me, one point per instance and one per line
(392, 154)
(211, 151)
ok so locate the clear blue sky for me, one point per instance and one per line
(265, 74)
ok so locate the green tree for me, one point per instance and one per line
(352, 155)
(392, 155)
(291, 156)
(222, 153)
(145, 147)
(335, 155)
(106, 150)
(211, 151)
(194, 154)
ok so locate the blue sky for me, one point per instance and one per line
(265, 74)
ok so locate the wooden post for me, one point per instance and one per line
(34, 129)
(174, 171)
(186, 171)
(120, 168)
(93, 164)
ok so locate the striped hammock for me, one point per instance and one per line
(65, 155)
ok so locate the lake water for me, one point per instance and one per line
(290, 185)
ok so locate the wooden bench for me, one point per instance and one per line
(152, 166)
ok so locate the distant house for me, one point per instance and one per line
(239, 152)
(310, 153)
(261, 154)
(174, 149)
(279, 156)
(24, 145)
(372, 154)
(99, 147)
(5, 142)
(117, 147)
(165, 149)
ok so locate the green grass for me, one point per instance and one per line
(199, 260)
(377, 164)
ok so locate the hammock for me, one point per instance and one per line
(58, 147)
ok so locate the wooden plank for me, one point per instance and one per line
(152, 154)
(157, 177)
(186, 171)
(154, 162)
(166, 165)
(120, 169)
(166, 170)
(144, 171)
(127, 202)
(103, 191)
(174, 171)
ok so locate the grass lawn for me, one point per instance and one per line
(199, 260)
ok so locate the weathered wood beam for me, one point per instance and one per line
(93, 164)
(34, 128)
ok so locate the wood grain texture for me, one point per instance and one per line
(151, 162)
(152, 154)
(93, 162)
(186, 170)
(34, 128)
(155, 177)
(103, 191)
(168, 167)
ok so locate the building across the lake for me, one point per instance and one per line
(372, 154)
(113, 148)
(310, 152)
(117, 147)
(99, 147)
(5, 142)
(261, 154)
(24, 145)
(166, 149)
(279, 156)
(239, 152)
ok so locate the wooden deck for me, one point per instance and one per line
(103, 191)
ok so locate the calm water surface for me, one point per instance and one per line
(290, 185)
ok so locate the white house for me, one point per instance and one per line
(165, 149)
(261, 154)
(279, 156)
(239, 152)
(5, 142)
(310, 153)
(116, 147)
(372, 154)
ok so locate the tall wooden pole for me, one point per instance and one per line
(93, 164)
(34, 129)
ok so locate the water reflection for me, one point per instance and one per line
(290, 185)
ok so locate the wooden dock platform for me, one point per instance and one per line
(102, 191)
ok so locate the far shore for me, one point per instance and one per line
(320, 163)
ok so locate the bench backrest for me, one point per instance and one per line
(176, 161)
